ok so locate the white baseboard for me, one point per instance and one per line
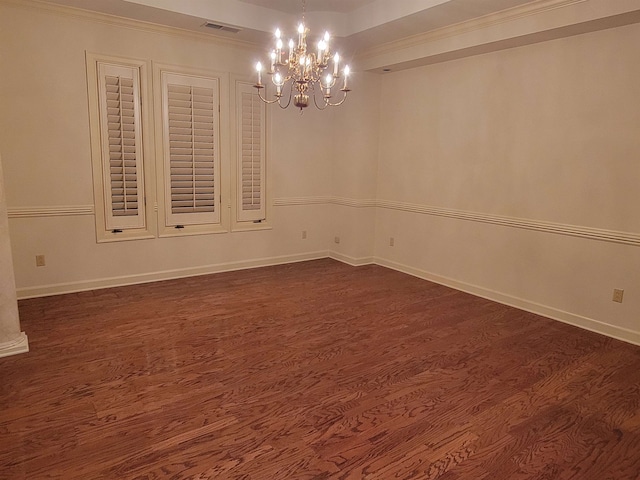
(353, 261)
(72, 287)
(619, 333)
(20, 345)
(586, 323)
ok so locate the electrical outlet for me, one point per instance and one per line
(392, 242)
(40, 261)
(617, 295)
(304, 234)
(336, 239)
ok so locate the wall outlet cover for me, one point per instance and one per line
(617, 295)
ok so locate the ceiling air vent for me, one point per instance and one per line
(221, 28)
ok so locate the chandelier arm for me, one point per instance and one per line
(268, 102)
(315, 101)
(327, 103)
(337, 104)
(288, 103)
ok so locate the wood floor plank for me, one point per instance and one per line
(315, 370)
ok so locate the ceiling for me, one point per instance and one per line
(359, 24)
(294, 6)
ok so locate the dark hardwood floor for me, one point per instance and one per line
(315, 370)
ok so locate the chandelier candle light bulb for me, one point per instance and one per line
(259, 69)
(303, 75)
(273, 62)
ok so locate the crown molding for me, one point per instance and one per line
(540, 21)
(486, 21)
(116, 21)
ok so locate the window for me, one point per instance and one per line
(116, 118)
(196, 166)
(190, 175)
(250, 172)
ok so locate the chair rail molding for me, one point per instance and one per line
(50, 211)
(612, 236)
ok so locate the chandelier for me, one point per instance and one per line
(300, 73)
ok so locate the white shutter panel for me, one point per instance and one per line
(190, 108)
(121, 138)
(251, 152)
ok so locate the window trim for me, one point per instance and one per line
(99, 164)
(237, 225)
(221, 226)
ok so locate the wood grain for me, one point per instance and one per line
(314, 370)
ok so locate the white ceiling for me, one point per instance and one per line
(295, 6)
(359, 24)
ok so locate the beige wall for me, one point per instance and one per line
(354, 173)
(536, 134)
(512, 175)
(44, 134)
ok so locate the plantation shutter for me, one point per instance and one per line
(190, 108)
(251, 151)
(121, 138)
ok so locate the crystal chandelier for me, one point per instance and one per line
(301, 74)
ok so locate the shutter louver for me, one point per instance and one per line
(251, 176)
(191, 133)
(191, 149)
(122, 146)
